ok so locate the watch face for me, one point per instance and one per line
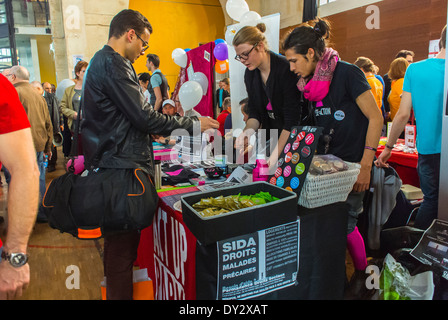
(18, 259)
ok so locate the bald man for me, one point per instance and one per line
(38, 86)
(39, 118)
(47, 87)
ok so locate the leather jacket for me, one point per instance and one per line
(117, 121)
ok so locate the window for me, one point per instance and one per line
(322, 2)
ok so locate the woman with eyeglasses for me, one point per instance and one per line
(344, 106)
(271, 87)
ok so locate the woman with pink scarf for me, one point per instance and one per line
(344, 106)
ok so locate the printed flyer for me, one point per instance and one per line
(432, 248)
(258, 263)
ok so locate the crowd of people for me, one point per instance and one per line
(308, 85)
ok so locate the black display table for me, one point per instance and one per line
(322, 251)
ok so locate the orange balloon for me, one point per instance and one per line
(222, 66)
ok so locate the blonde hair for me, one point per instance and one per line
(397, 68)
(226, 103)
(365, 64)
(251, 35)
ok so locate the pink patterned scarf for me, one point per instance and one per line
(316, 88)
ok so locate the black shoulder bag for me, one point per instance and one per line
(104, 202)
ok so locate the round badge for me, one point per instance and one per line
(309, 139)
(300, 136)
(280, 182)
(295, 145)
(278, 172)
(293, 133)
(288, 157)
(339, 115)
(300, 169)
(295, 183)
(280, 162)
(287, 148)
(306, 152)
(273, 181)
(295, 158)
(287, 172)
(288, 188)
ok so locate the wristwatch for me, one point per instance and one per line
(17, 260)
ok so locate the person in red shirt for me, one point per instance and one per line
(18, 154)
(226, 110)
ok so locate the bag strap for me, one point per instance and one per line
(74, 152)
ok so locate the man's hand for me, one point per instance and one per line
(382, 159)
(363, 181)
(208, 123)
(13, 280)
(48, 154)
(242, 141)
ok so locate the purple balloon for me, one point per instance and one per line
(221, 52)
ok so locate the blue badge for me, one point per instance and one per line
(339, 115)
(295, 183)
(280, 182)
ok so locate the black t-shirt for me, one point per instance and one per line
(275, 105)
(345, 126)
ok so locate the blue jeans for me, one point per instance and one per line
(355, 201)
(42, 188)
(428, 169)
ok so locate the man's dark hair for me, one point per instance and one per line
(126, 20)
(145, 76)
(154, 59)
(245, 105)
(404, 54)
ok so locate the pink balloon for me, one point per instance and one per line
(79, 164)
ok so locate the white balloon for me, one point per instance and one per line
(180, 57)
(201, 78)
(62, 86)
(230, 34)
(190, 94)
(250, 18)
(236, 8)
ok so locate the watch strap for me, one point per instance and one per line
(7, 257)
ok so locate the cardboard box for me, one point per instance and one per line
(208, 230)
(411, 192)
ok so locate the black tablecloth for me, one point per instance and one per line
(321, 275)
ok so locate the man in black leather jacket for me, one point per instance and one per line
(117, 128)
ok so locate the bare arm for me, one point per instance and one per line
(23, 195)
(242, 141)
(398, 125)
(159, 98)
(367, 104)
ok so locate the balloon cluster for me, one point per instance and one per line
(221, 53)
(239, 11)
(192, 91)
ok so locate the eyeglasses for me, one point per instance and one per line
(245, 56)
(145, 44)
